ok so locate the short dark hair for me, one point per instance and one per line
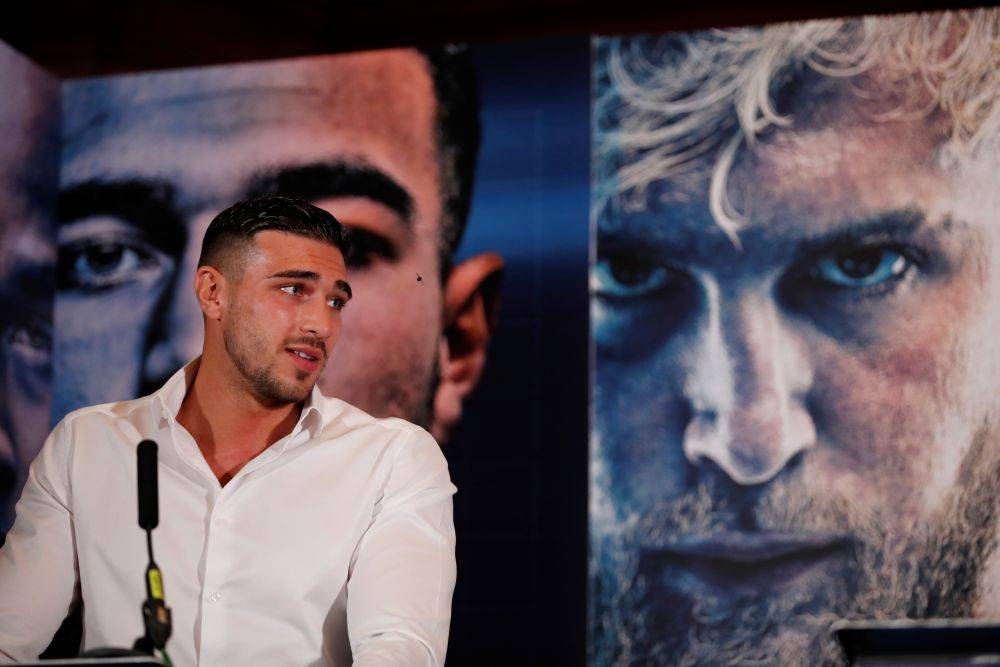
(458, 132)
(236, 226)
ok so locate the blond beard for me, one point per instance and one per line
(932, 572)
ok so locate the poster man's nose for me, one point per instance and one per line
(746, 384)
(177, 331)
(179, 335)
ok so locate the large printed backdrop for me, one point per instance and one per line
(148, 159)
(795, 299)
(791, 291)
(29, 172)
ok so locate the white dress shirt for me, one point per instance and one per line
(335, 544)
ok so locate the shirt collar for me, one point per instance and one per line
(313, 412)
(167, 400)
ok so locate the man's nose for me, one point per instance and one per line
(8, 455)
(319, 319)
(176, 332)
(746, 384)
(177, 335)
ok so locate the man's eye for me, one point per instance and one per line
(96, 264)
(856, 268)
(294, 290)
(366, 247)
(625, 276)
(337, 303)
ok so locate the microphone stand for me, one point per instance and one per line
(155, 613)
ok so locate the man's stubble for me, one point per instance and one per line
(245, 348)
(402, 385)
(932, 571)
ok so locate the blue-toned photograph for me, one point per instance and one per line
(793, 309)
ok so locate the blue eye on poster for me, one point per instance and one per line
(794, 300)
(781, 240)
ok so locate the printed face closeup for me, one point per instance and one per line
(28, 176)
(799, 425)
(150, 160)
(26, 295)
(283, 314)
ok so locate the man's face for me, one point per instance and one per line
(27, 183)
(149, 162)
(796, 427)
(282, 317)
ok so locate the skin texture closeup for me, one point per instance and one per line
(796, 422)
(149, 160)
(28, 175)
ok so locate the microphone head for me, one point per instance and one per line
(149, 510)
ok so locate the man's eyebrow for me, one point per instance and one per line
(30, 284)
(146, 204)
(302, 274)
(306, 274)
(892, 224)
(320, 180)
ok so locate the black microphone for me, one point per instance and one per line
(155, 614)
(149, 491)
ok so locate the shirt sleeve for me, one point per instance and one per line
(38, 568)
(403, 570)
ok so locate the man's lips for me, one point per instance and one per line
(752, 547)
(305, 357)
(756, 559)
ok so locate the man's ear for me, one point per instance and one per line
(471, 303)
(209, 289)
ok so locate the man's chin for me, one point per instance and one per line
(386, 394)
(697, 614)
(277, 391)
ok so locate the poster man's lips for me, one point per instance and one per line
(754, 560)
(753, 547)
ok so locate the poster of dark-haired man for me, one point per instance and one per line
(385, 139)
(29, 169)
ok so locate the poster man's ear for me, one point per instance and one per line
(471, 302)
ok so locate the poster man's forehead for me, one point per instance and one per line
(231, 96)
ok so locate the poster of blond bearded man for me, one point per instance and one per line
(795, 296)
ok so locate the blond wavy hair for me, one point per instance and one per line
(662, 104)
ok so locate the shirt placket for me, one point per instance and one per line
(216, 635)
(218, 598)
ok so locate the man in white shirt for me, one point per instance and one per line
(295, 528)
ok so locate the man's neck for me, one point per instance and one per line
(230, 425)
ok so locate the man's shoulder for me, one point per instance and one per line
(105, 412)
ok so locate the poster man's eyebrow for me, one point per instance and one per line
(320, 180)
(29, 282)
(147, 205)
(893, 224)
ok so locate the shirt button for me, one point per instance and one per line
(215, 597)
